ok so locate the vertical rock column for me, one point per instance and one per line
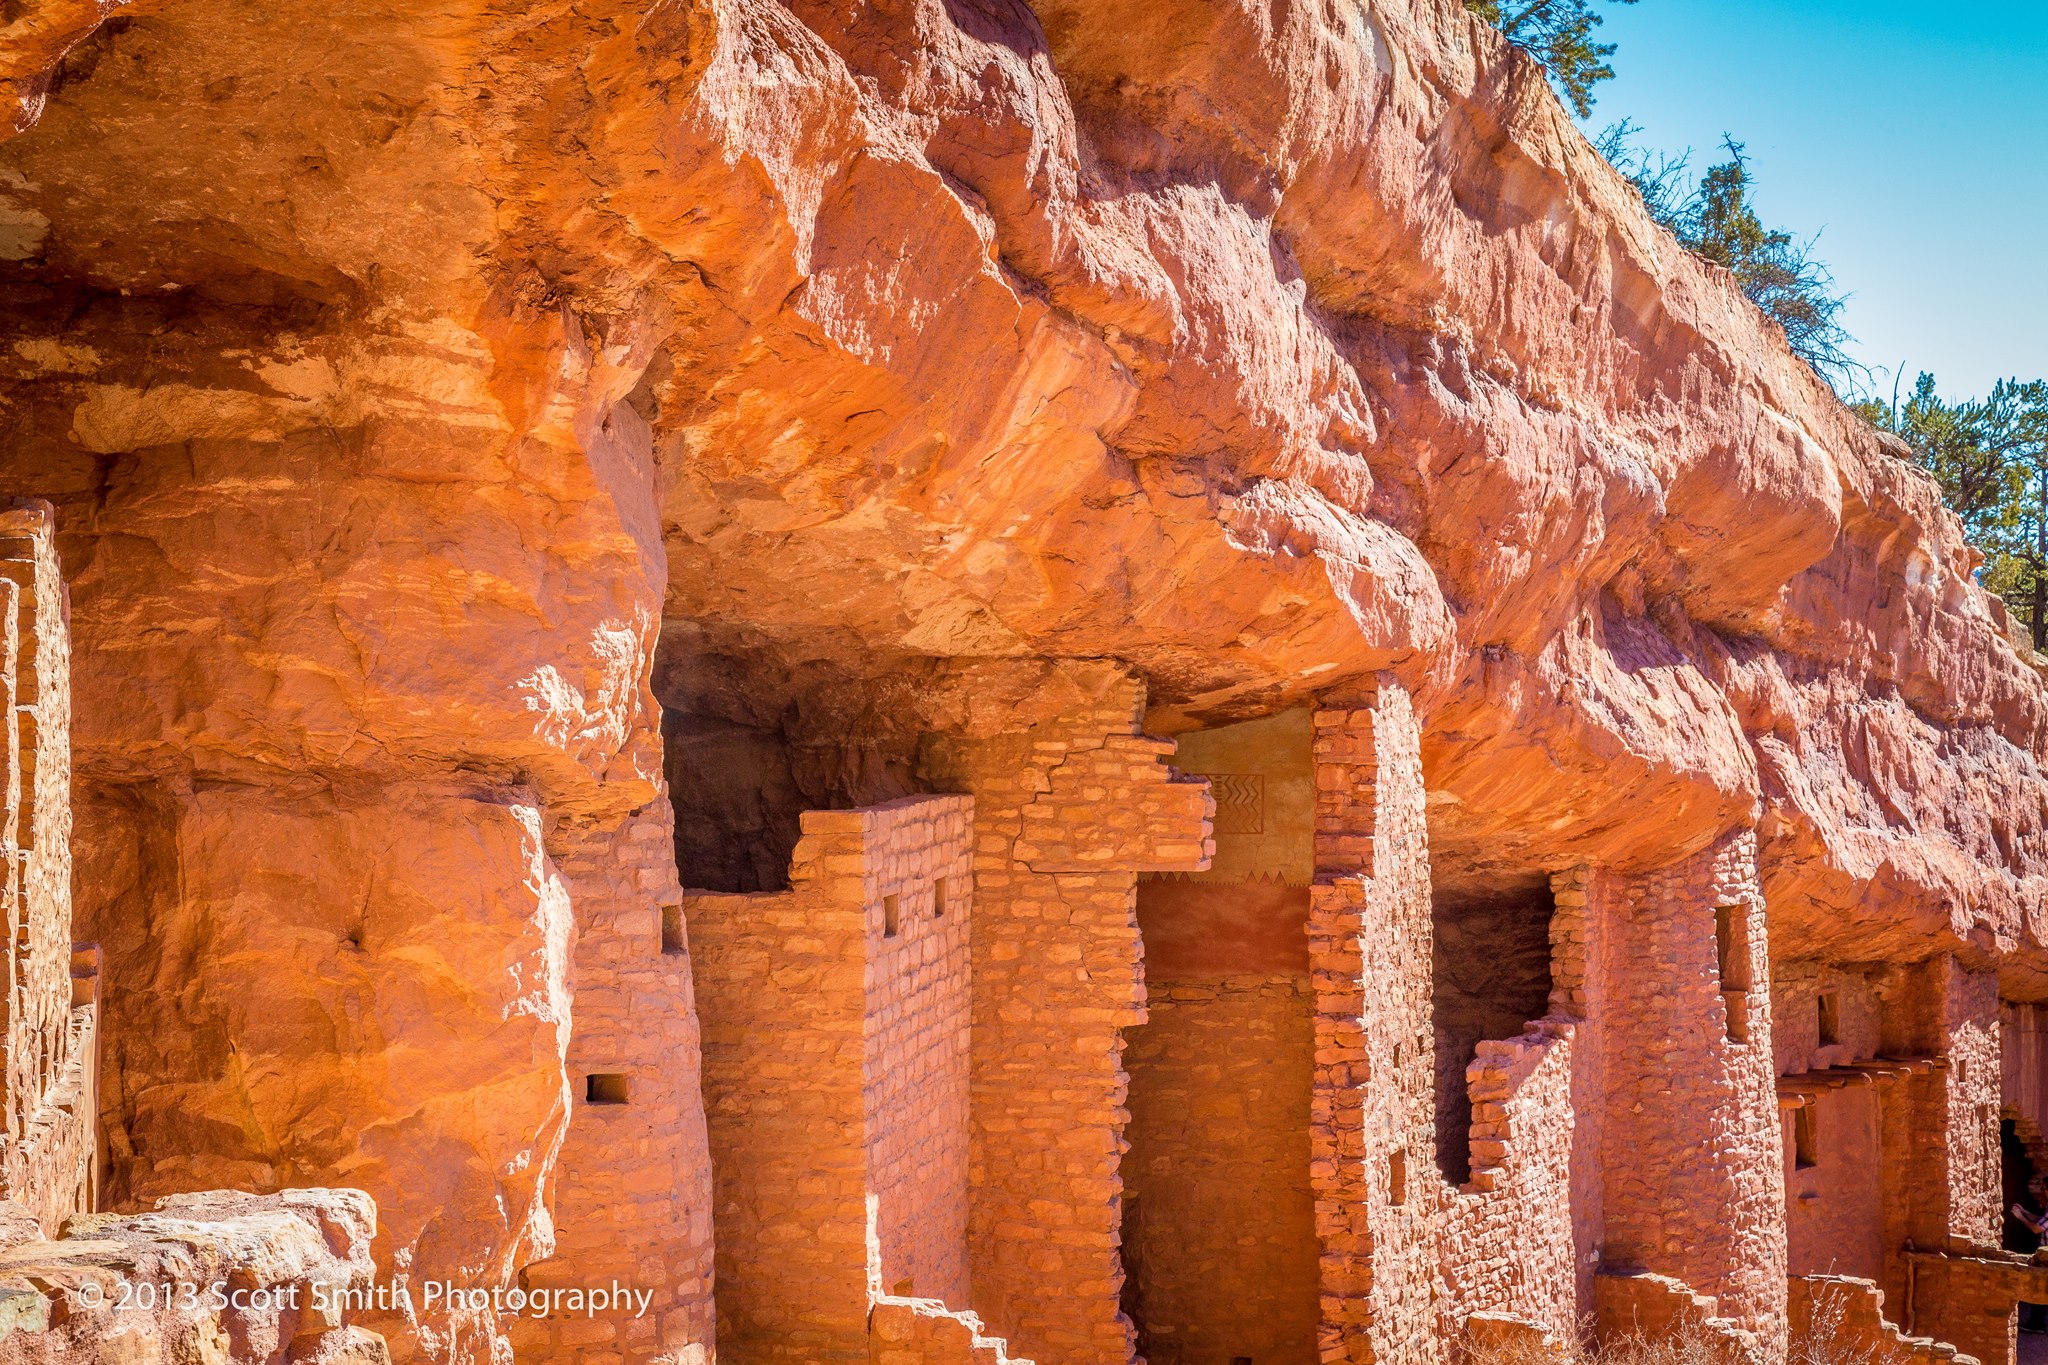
(633, 1207)
(1369, 947)
(1067, 815)
(1695, 1183)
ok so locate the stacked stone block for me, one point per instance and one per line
(634, 1204)
(49, 1163)
(835, 1080)
(1642, 1305)
(1846, 1315)
(903, 1331)
(1694, 1176)
(1067, 815)
(1372, 1122)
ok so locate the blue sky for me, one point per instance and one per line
(1912, 137)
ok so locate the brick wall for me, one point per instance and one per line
(1067, 815)
(1369, 944)
(52, 1062)
(1695, 1182)
(835, 1078)
(1971, 1302)
(633, 1203)
(1846, 1317)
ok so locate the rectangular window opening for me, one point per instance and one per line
(1397, 1179)
(674, 937)
(1731, 960)
(1830, 1018)
(605, 1087)
(1805, 1138)
(939, 898)
(892, 916)
(1736, 1003)
(1731, 943)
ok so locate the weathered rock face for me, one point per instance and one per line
(217, 1276)
(407, 376)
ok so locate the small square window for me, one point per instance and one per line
(939, 898)
(1830, 1018)
(605, 1087)
(1397, 1179)
(892, 916)
(675, 937)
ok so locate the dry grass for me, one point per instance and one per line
(1823, 1344)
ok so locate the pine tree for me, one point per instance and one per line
(1717, 219)
(1559, 35)
(1991, 458)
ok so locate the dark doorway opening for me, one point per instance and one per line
(1491, 978)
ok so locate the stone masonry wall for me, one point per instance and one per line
(915, 1056)
(1972, 1084)
(49, 1165)
(784, 1110)
(1972, 1302)
(1066, 815)
(633, 1200)
(819, 1027)
(1369, 946)
(1695, 1185)
(1827, 1029)
(1521, 1240)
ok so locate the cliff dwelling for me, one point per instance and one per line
(942, 683)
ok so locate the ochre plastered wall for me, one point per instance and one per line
(1219, 1226)
(1219, 1219)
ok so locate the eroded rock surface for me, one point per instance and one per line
(405, 376)
(209, 1277)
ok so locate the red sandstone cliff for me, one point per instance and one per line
(405, 374)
